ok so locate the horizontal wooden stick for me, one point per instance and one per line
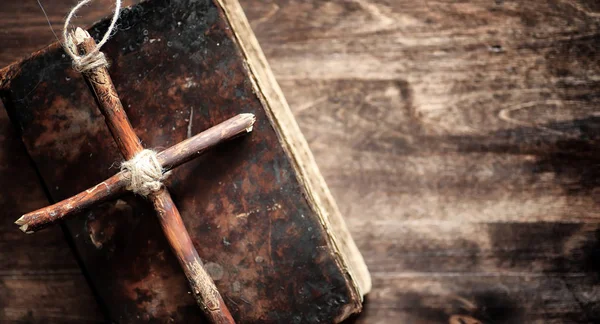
(115, 185)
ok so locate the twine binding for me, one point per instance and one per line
(145, 173)
(94, 58)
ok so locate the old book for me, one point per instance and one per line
(258, 211)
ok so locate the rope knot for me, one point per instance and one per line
(88, 62)
(94, 58)
(145, 173)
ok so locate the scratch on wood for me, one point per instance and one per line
(374, 11)
(310, 104)
(189, 128)
(96, 186)
(265, 17)
(274, 207)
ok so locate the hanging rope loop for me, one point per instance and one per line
(94, 58)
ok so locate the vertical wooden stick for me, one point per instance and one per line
(203, 287)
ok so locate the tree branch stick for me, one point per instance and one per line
(203, 287)
(115, 185)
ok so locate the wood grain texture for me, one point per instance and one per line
(458, 138)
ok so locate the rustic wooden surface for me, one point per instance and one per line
(457, 137)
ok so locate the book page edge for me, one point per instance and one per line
(297, 148)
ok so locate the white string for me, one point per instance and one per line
(145, 173)
(48, 20)
(94, 58)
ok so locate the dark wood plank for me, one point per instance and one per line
(481, 298)
(459, 141)
(554, 264)
(40, 282)
(457, 138)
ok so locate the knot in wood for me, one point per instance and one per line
(144, 173)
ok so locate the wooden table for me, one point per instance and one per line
(460, 140)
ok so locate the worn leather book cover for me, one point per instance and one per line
(257, 209)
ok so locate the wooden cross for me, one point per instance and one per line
(108, 102)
